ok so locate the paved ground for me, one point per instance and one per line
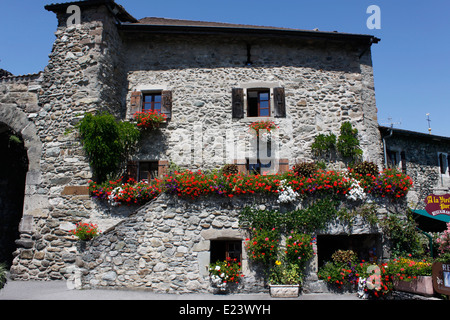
(58, 290)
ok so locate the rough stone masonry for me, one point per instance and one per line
(327, 79)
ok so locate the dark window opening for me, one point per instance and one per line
(152, 102)
(257, 167)
(224, 249)
(258, 103)
(443, 163)
(366, 246)
(148, 170)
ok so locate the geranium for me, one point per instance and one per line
(443, 241)
(263, 246)
(406, 269)
(299, 248)
(391, 183)
(263, 125)
(85, 231)
(223, 273)
(149, 119)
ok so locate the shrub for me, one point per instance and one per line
(263, 246)
(230, 169)
(85, 231)
(348, 143)
(443, 242)
(3, 271)
(366, 168)
(305, 169)
(323, 144)
(344, 256)
(299, 249)
(391, 183)
(285, 274)
(107, 143)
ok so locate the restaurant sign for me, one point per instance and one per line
(438, 204)
(441, 278)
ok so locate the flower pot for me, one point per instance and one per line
(423, 285)
(284, 291)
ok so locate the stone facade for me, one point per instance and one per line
(327, 78)
(419, 155)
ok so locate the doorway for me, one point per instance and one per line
(13, 171)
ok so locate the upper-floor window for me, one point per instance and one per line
(152, 102)
(258, 103)
(443, 162)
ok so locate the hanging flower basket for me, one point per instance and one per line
(149, 119)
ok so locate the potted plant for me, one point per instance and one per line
(285, 280)
(225, 275)
(149, 119)
(412, 276)
(85, 232)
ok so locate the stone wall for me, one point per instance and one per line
(166, 246)
(421, 164)
(325, 85)
(83, 75)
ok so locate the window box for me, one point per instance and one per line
(284, 291)
(423, 285)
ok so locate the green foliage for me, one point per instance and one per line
(348, 143)
(3, 271)
(285, 274)
(323, 145)
(403, 235)
(313, 218)
(299, 249)
(260, 219)
(263, 246)
(107, 143)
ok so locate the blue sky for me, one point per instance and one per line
(411, 63)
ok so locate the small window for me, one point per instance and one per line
(148, 170)
(258, 103)
(443, 163)
(254, 166)
(224, 249)
(152, 102)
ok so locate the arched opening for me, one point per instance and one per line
(13, 171)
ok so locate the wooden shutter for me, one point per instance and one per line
(242, 165)
(163, 168)
(279, 98)
(403, 160)
(166, 105)
(238, 103)
(132, 170)
(136, 102)
(283, 165)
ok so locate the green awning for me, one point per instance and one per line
(440, 217)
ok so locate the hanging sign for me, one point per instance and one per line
(438, 204)
(441, 278)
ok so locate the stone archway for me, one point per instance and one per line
(20, 154)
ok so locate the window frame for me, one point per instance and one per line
(443, 164)
(259, 92)
(152, 103)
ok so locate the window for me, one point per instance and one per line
(148, 170)
(254, 166)
(396, 159)
(443, 163)
(223, 249)
(258, 103)
(152, 102)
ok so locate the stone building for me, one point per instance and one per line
(212, 80)
(424, 157)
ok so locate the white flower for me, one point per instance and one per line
(356, 192)
(217, 268)
(286, 194)
(112, 197)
